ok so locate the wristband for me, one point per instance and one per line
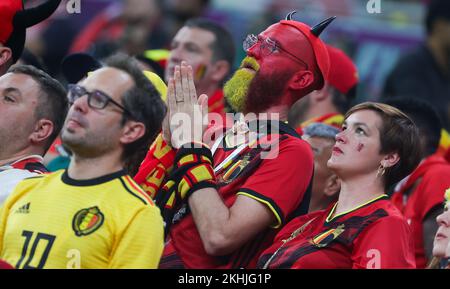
(194, 167)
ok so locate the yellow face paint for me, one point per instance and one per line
(447, 198)
(235, 90)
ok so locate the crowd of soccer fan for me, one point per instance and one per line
(158, 175)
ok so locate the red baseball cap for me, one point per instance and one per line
(343, 74)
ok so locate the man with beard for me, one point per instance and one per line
(14, 20)
(223, 204)
(92, 215)
(425, 72)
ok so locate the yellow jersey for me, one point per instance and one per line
(54, 221)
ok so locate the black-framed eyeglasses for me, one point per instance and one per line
(96, 98)
(267, 47)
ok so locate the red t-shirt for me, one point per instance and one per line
(372, 236)
(279, 183)
(432, 178)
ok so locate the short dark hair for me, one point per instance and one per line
(52, 103)
(437, 9)
(398, 134)
(144, 103)
(426, 119)
(341, 101)
(223, 47)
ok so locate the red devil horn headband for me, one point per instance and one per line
(14, 20)
(32, 16)
(312, 34)
(316, 30)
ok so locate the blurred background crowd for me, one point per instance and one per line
(400, 49)
(373, 40)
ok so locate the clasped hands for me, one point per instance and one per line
(186, 118)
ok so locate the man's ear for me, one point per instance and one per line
(220, 70)
(390, 160)
(301, 79)
(42, 131)
(132, 131)
(332, 186)
(5, 56)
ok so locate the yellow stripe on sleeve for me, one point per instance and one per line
(268, 204)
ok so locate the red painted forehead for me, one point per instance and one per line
(292, 40)
(298, 39)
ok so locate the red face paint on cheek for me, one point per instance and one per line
(359, 147)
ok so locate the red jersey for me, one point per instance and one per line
(216, 103)
(428, 183)
(32, 163)
(280, 183)
(374, 235)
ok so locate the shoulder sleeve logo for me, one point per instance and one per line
(87, 221)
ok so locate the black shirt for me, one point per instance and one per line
(417, 74)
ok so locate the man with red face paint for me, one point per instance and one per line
(223, 203)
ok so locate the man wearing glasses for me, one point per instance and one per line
(223, 203)
(92, 215)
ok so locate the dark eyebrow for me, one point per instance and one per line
(358, 124)
(361, 124)
(94, 90)
(12, 89)
(191, 44)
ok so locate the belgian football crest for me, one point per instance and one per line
(323, 239)
(234, 169)
(87, 221)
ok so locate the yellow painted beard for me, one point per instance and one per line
(235, 90)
